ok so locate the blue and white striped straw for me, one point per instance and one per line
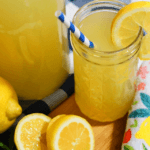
(74, 29)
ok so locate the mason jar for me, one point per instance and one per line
(104, 79)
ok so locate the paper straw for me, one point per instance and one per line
(74, 29)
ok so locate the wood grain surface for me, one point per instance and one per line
(108, 136)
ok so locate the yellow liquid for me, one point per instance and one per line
(31, 47)
(103, 92)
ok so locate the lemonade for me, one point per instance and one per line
(104, 76)
(31, 44)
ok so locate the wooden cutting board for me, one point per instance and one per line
(108, 136)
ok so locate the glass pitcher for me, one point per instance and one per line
(32, 46)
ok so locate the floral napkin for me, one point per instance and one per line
(137, 133)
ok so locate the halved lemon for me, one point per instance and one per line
(30, 132)
(69, 132)
(126, 24)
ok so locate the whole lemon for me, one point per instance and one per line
(9, 106)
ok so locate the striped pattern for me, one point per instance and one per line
(74, 29)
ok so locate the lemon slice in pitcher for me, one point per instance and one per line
(126, 25)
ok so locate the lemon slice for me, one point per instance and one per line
(69, 132)
(30, 132)
(126, 25)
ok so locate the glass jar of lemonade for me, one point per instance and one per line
(32, 46)
(104, 76)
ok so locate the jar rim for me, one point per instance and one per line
(96, 51)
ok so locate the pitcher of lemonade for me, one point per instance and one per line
(32, 45)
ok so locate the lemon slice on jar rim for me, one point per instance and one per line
(126, 24)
